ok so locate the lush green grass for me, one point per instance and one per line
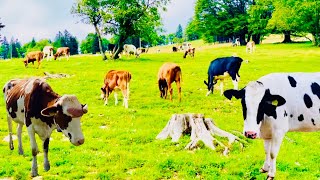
(127, 149)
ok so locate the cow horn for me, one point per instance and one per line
(85, 108)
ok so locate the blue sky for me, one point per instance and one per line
(25, 19)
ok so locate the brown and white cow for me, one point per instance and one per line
(33, 103)
(32, 57)
(169, 73)
(116, 80)
(48, 52)
(250, 47)
(190, 51)
(62, 51)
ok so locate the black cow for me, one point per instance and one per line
(222, 68)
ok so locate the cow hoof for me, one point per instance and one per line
(34, 174)
(262, 170)
(47, 167)
(21, 152)
(270, 178)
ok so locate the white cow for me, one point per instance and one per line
(130, 49)
(250, 47)
(48, 52)
(278, 103)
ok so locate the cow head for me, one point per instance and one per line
(210, 86)
(257, 101)
(104, 92)
(163, 87)
(67, 112)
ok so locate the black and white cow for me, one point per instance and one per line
(222, 68)
(33, 103)
(278, 103)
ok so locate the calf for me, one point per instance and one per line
(47, 52)
(115, 80)
(190, 51)
(278, 103)
(62, 51)
(220, 69)
(32, 57)
(169, 73)
(250, 47)
(33, 103)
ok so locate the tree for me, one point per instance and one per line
(192, 31)
(285, 18)
(1, 26)
(66, 40)
(259, 14)
(4, 50)
(226, 18)
(91, 45)
(90, 12)
(125, 19)
(179, 32)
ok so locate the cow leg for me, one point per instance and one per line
(275, 147)
(179, 90)
(170, 91)
(115, 98)
(221, 87)
(125, 98)
(106, 101)
(46, 163)
(34, 150)
(10, 132)
(19, 132)
(267, 148)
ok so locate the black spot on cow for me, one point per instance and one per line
(307, 100)
(301, 118)
(285, 114)
(291, 115)
(22, 110)
(315, 89)
(292, 81)
(312, 120)
(244, 108)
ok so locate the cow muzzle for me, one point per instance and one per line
(250, 134)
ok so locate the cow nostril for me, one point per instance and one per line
(81, 141)
(70, 137)
(250, 134)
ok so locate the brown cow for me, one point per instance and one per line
(32, 57)
(62, 51)
(190, 51)
(113, 81)
(32, 102)
(168, 73)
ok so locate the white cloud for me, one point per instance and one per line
(25, 19)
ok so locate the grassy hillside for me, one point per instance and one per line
(120, 143)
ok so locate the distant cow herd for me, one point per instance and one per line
(272, 105)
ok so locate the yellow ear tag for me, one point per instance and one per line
(275, 102)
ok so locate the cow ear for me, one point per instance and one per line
(238, 94)
(49, 111)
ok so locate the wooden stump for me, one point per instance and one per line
(200, 128)
(59, 75)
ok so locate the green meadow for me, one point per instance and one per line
(120, 143)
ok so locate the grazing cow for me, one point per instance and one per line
(47, 52)
(278, 103)
(236, 42)
(190, 51)
(113, 81)
(32, 57)
(169, 73)
(33, 103)
(250, 47)
(62, 51)
(220, 69)
(129, 49)
(174, 49)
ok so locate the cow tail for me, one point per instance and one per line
(127, 84)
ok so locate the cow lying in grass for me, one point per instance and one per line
(169, 73)
(278, 103)
(33, 103)
(116, 80)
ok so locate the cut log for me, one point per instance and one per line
(59, 75)
(200, 129)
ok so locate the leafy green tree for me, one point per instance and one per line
(66, 40)
(4, 50)
(125, 19)
(226, 18)
(179, 32)
(91, 45)
(260, 13)
(192, 31)
(91, 13)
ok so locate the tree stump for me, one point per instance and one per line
(200, 128)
